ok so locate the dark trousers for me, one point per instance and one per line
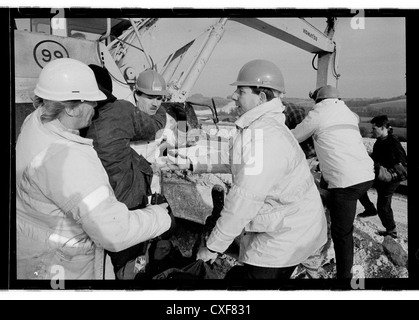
(253, 272)
(342, 205)
(385, 192)
(121, 258)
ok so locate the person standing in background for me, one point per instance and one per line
(345, 164)
(390, 161)
(294, 115)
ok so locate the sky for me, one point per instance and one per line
(371, 55)
(371, 61)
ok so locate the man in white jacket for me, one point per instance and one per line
(66, 210)
(273, 197)
(345, 164)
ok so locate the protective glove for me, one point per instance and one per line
(400, 171)
(176, 161)
(205, 255)
(384, 175)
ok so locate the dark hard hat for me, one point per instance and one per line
(327, 92)
(151, 83)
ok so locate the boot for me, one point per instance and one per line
(370, 212)
(217, 194)
(391, 233)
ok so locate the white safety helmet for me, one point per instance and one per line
(68, 79)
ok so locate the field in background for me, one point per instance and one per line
(365, 128)
(366, 109)
(394, 109)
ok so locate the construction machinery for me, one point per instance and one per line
(128, 46)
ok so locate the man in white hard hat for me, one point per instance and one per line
(347, 169)
(67, 213)
(273, 198)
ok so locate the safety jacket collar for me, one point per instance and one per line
(327, 101)
(274, 106)
(59, 129)
(384, 138)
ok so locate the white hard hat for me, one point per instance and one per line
(68, 79)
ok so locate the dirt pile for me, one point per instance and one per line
(374, 256)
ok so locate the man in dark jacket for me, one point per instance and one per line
(390, 161)
(115, 124)
(294, 115)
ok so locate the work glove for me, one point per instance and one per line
(385, 175)
(205, 255)
(173, 162)
(178, 161)
(400, 172)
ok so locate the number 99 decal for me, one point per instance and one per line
(47, 51)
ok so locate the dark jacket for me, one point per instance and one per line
(388, 152)
(294, 116)
(115, 124)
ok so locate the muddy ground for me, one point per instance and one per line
(369, 257)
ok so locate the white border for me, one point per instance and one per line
(210, 295)
(401, 4)
(217, 294)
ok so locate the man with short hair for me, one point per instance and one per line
(294, 115)
(115, 125)
(149, 93)
(273, 197)
(345, 165)
(390, 161)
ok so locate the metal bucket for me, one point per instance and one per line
(190, 197)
